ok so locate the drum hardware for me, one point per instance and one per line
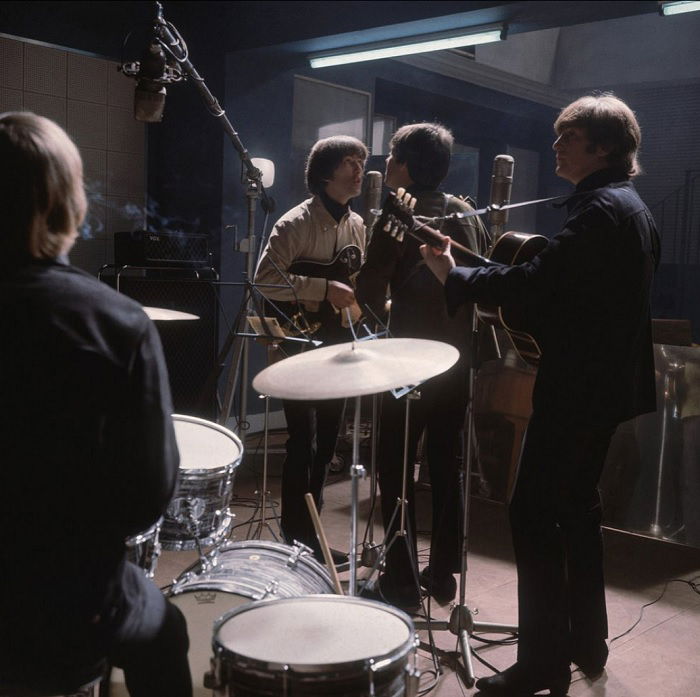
(261, 503)
(352, 370)
(370, 550)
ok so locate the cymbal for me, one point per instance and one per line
(356, 368)
(162, 313)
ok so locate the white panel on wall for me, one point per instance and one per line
(87, 124)
(124, 132)
(10, 100)
(11, 64)
(87, 78)
(53, 108)
(44, 70)
(125, 174)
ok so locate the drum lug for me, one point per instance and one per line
(298, 550)
(412, 681)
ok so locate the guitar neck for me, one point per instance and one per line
(433, 238)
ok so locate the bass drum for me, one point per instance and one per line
(237, 574)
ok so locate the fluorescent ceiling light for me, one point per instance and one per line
(677, 8)
(429, 42)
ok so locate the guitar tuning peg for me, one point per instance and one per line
(387, 226)
(395, 230)
(412, 203)
(399, 237)
(400, 192)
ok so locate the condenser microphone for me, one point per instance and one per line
(149, 97)
(373, 197)
(501, 185)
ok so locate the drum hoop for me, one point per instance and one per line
(383, 662)
(213, 473)
(216, 427)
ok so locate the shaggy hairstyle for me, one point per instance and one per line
(609, 123)
(41, 186)
(325, 157)
(426, 149)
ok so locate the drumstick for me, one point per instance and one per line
(324, 542)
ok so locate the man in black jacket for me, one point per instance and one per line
(89, 456)
(419, 160)
(588, 296)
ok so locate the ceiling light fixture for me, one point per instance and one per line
(470, 36)
(677, 8)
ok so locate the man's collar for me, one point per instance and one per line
(336, 210)
(602, 177)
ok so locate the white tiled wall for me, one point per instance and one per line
(93, 101)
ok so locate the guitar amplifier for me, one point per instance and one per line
(145, 248)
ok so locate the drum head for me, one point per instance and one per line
(204, 445)
(314, 633)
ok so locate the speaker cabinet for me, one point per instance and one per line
(190, 346)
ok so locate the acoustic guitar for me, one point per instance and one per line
(511, 248)
(327, 323)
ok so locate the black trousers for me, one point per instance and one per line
(313, 430)
(555, 517)
(440, 412)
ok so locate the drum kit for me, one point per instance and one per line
(267, 611)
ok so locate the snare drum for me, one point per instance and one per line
(314, 645)
(198, 512)
(238, 573)
(144, 549)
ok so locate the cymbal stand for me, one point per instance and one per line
(261, 501)
(357, 472)
(461, 621)
(369, 548)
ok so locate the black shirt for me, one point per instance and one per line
(588, 299)
(88, 451)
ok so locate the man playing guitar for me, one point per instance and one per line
(590, 291)
(314, 231)
(419, 160)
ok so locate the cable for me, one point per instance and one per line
(694, 585)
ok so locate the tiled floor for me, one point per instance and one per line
(658, 658)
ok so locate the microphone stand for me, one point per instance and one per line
(173, 44)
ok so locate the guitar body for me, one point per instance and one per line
(514, 248)
(511, 248)
(326, 323)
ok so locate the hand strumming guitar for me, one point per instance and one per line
(340, 295)
(439, 261)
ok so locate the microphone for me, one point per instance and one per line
(373, 196)
(501, 185)
(149, 97)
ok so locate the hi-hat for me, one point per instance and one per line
(162, 313)
(355, 369)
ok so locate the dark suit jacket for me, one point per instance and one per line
(88, 458)
(587, 303)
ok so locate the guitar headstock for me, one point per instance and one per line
(397, 213)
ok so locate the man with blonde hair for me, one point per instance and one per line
(588, 294)
(89, 451)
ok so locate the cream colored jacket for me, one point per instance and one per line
(307, 231)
